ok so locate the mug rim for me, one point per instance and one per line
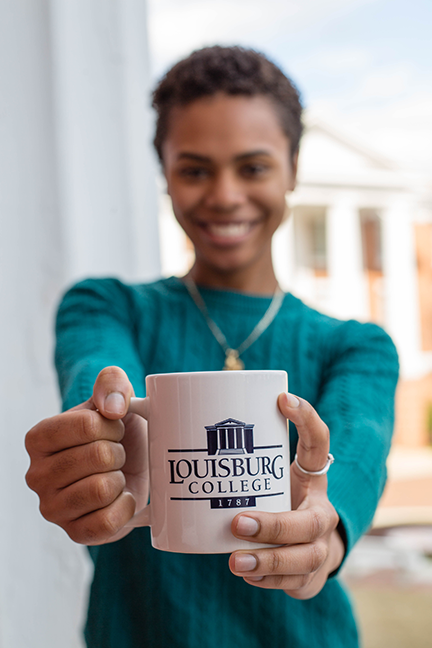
(242, 372)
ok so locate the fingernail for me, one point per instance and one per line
(115, 403)
(244, 562)
(292, 401)
(247, 526)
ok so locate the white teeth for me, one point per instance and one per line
(228, 230)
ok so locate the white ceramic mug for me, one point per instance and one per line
(217, 445)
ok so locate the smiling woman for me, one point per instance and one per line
(228, 130)
(227, 135)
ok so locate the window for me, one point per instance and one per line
(311, 238)
(371, 239)
(423, 240)
(371, 234)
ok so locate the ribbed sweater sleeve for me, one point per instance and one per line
(356, 401)
(95, 329)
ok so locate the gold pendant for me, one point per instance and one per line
(232, 361)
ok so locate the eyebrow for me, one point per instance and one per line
(203, 158)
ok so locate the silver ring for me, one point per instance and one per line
(316, 473)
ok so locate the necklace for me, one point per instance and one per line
(232, 359)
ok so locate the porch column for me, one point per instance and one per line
(347, 298)
(101, 87)
(401, 288)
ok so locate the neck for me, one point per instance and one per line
(244, 280)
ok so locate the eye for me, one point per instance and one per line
(194, 173)
(254, 169)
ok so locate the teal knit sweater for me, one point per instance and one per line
(347, 370)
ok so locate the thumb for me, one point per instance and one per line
(112, 392)
(314, 436)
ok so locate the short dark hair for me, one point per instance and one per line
(233, 71)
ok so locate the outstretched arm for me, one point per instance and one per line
(356, 401)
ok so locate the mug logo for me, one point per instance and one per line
(230, 437)
(235, 473)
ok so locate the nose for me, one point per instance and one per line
(225, 192)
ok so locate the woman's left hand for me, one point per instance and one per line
(311, 547)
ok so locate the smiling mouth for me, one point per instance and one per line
(228, 230)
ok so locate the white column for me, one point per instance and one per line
(401, 288)
(70, 202)
(42, 573)
(347, 289)
(107, 190)
(283, 252)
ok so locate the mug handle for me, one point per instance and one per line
(141, 406)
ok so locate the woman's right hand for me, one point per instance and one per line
(86, 464)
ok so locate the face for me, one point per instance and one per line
(228, 167)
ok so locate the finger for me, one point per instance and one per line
(278, 563)
(104, 524)
(301, 587)
(70, 429)
(314, 438)
(288, 583)
(292, 527)
(69, 466)
(112, 392)
(85, 496)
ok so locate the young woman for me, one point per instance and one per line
(228, 131)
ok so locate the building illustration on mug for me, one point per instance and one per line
(230, 436)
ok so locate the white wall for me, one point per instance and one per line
(77, 197)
